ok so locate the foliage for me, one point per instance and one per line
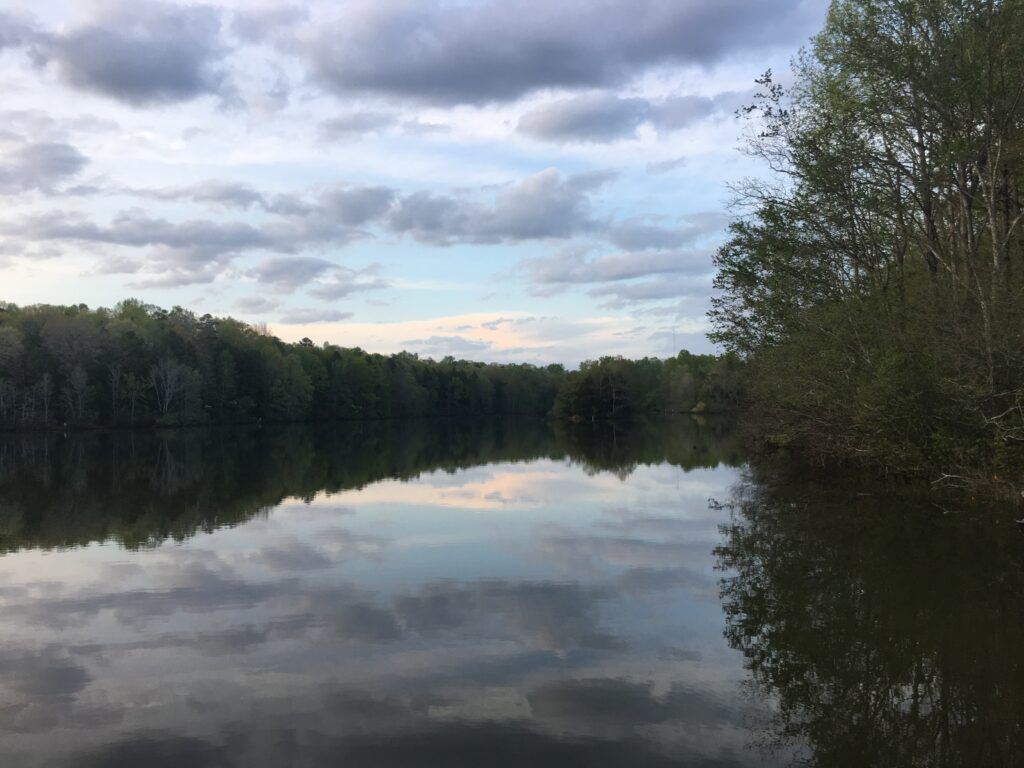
(615, 388)
(141, 365)
(876, 287)
(886, 631)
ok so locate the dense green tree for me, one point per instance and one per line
(876, 285)
(141, 365)
(615, 388)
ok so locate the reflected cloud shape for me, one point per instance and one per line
(219, 610)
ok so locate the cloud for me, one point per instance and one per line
(357, 206)
(257, 304)
(544, 205)
(142, 53)
(529, 339)
(226, 193)
(605, 117)
(444, 346)
(198, 250)
(42, 674)
(355, 124)
(16, 31)
(595, 117)
(314, 315)
(604, 707)
(263, 24)
(552, 616)
(666, 166)
(498, 51)
(230, 194)
(39, 165)
(288, 273)
(638, 235)
(648, 290)
(117, 265)
(573, 266)
(290, 555)
(677, 112)
(185, 252)
(344, 282)
(330, 282)
(158, 749)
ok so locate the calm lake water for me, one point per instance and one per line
(434, 594)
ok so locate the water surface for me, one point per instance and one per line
(505, 593)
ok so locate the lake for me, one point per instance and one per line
(490, 594)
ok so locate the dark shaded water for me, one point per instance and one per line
(433, 594)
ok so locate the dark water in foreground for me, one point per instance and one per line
(422, 594)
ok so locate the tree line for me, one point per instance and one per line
(875, 283)
(137, 364)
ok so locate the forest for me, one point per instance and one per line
(873, 283)
(137, 365)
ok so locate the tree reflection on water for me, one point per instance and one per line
(889, 630)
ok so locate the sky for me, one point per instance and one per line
(501, 180)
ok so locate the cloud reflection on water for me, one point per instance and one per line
(532, 612)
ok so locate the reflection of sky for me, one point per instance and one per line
(574, 615)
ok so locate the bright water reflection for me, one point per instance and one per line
(399, 594)
(435, 594)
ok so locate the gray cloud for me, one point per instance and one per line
(553, 616)
(544, 205)
(418, 127)
(205, 239)
(497, 51)
(665, 166)
(263, 24)
(16, 31)
(291, 554)
(313, 315)
(288, 273)
(117, 265)
(676, 112)
(38, 165)
(191, 251)
(638, 235)
(256, 304)
(355, 124)
(594, 117)
(357, 206)
(648, 290)
(573, 266)
(181, 253)
(230, 194)
(42, 674)
(604, 117)
(602, 707)
(333, 281)
(225, 193)
(142, 53)
(344, 282)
